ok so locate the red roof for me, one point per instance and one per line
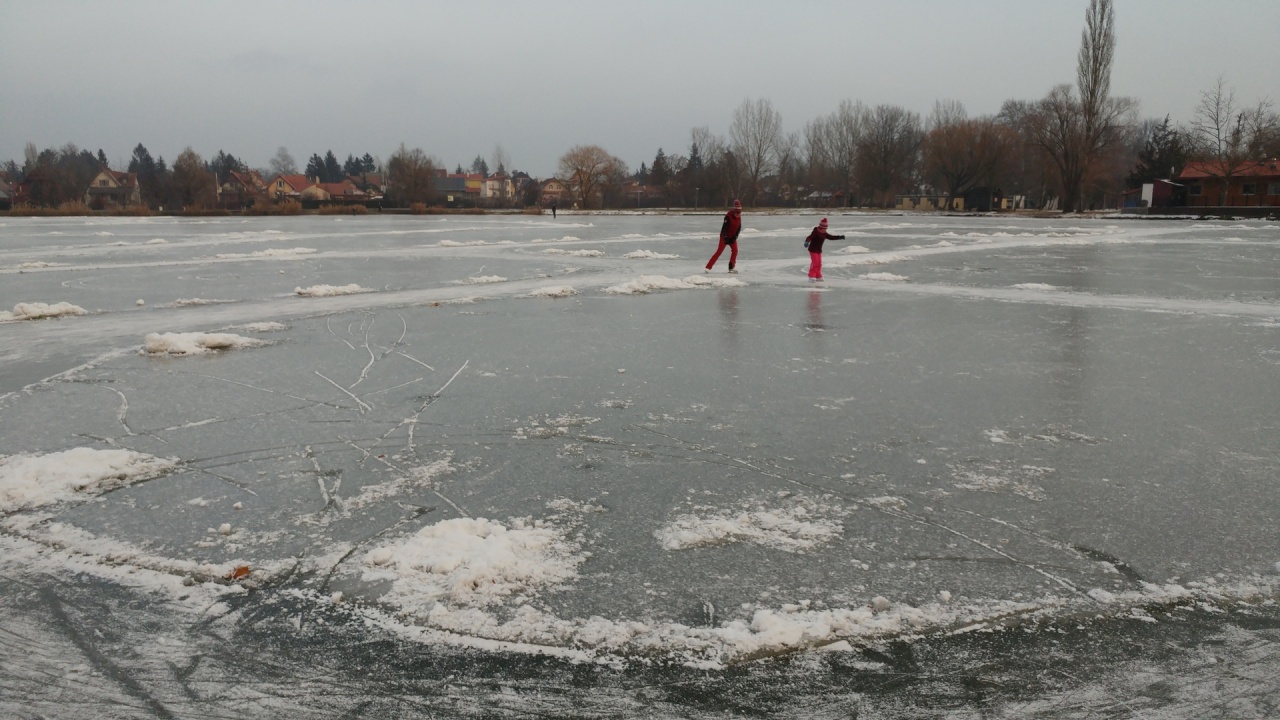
(1199, 169)
(126, 179)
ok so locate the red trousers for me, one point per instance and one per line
(815, 264)
(733, 254)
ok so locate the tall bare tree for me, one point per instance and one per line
(1227, 137)
(411, 176)
(587, 169)
(755, 133)
(831, 147)
(1076, 131)
(283, 163)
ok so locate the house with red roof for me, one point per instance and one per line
(111, 189)
(1253, 183)
(284, 187)
(239, 190)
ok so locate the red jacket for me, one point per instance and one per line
(819, 236)
(731, 227)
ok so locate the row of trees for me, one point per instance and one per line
(1079, 146)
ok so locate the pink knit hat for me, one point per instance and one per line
(737, 204)
(823, 224)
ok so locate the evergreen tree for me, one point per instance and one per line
(458, 170)
(150, 175)
(642, 176)
(223, 164)
(315, 168)
(102, 158)
(352, 166)
(332, 168)
(660, 173)
(479, 166)
(1162, 156)
(368, 162)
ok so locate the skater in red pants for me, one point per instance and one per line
(814, 243)
(729, 237)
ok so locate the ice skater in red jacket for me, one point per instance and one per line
(814, 243)
(729, 237)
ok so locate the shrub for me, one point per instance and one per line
(283, 207)
(133, 210)
(418, 208)
(343, 210)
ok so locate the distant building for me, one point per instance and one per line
(555, 192)
(241, 190)
(284, 187)
(6, 195)
(111, 189)
(1254, 183)
(924, 203)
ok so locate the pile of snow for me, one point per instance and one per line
(650, 255)
(156, 241)
(554, 291)
(473, 562)
(574, 253)
(796, 528)
(261, 327)
(1034, 286)
(195, 343)
(714, 281)
(648, 283)
(884, 277)
(37, 264)
(183, 302)
(28, 481)
(480, 279)
(39, 311)
(330, 290)
(878, 259)
(273, 252)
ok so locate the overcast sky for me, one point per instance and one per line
(458, 78)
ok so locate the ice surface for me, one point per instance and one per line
(1033, 424)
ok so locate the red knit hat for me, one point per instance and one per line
(737, 204)
(823, 224)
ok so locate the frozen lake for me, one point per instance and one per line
(510, 466)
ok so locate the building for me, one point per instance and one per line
(1252, 184)
(111, 189)
(241, 190)
(6, 195)
(284, 187)
(927, 203)
(555, 192)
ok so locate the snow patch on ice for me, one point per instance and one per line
(269, 253)
(482, 279)
(261, 327)
(195, 343)
(553, 291)
(798, 527)
(330, 290)
(182, 302)
(650, 255)
(38, 264)
(1035, 286)
(40, 311)
(574, 253)
(648, 283)
(715, 281)
(28, 481)
(884, 277)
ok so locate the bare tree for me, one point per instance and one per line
(411, 175)
(501, 160)
(831, 147)
(755, 134)
(1226, 137)
(587, 169)
(283, 163)
(1076, 132)
(193, 184)
(960, 153)
(889, 151)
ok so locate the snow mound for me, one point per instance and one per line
(792, 529)
(472, 562)
(195, 343)
(273, 252)
(1034, 286)
(183, 302)
(553, 291)
(574, 253)
(648, 283)
(330, 290)
(480, 279)
(852, 249)
(28, 481)
(39, 311)
(649, 255)
(716, 282)
(884, 277)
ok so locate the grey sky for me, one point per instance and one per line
(457, 78)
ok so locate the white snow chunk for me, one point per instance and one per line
(880, 603)
(650, 255)
(574, 253)
(1035, 286)
(480, 279)
(852, 249)
(944, 596)
(552, 291)
(884, 277)
(648, 283)
(330, 290)
(140, 302)
(39, 311)
(472, 562)
(715, 281)
(28, 481)
(195, 343)
(224, 529)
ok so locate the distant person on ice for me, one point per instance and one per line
(729, 237)
(814, 243)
